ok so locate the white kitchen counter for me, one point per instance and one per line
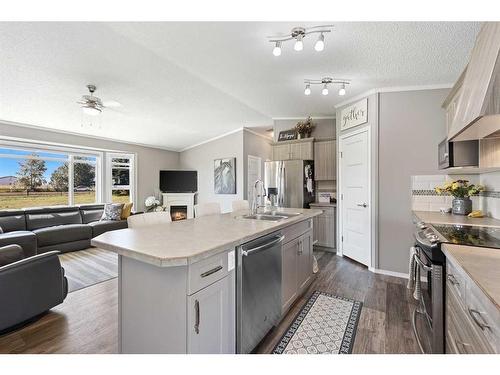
(430, 217)
(188, 241)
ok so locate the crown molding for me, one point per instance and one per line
(302, 118)
(212, 139)
(394, 89)
(57, 131)
(258, 134)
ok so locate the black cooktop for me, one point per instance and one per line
(470, 235)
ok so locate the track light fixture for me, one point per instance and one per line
(298, 34)
(325, 82)
(307, 91)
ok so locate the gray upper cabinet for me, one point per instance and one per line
(324, 160)
(301, 149)
(211, 319)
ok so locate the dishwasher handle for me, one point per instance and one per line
(267, 245)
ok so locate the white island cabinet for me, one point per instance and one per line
(177, 281)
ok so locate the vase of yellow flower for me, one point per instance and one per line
(461, 191)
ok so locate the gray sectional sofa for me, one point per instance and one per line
(40, 230)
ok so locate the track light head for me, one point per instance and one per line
(307, 91)
(320, 43)
(299, 44)
(277, 49)
(325, 89)
(342, 90)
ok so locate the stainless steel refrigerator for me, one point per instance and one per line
(290, 183)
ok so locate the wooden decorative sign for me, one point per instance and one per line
(287, 135)
(354, 115)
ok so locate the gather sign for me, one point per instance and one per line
(354, 115)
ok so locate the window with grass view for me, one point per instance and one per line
(37, 177)
(121, 168)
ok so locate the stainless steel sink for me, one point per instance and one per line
(265, 217)
(279, 213)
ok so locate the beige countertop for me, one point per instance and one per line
(482, 264)
(430, 217)
(187, 241)
(322, 204)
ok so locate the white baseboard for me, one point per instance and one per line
(389, 273)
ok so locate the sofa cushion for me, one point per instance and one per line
(25, 239)
(11, 220)
(100, 227)
(91, 214)
(37, 218)
(62, 233)
(112, 211)
(10, 254)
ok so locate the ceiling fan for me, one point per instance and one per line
(92, 105)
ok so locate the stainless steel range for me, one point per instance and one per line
(430, 260)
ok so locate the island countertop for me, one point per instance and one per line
(187, 241)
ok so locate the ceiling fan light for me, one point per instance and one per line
(299, 44)
(307, 91)
(325, 90)
(342, 90)
(277, 49)
(90, 110)
(320, 43)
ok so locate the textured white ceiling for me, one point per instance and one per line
(183, 83)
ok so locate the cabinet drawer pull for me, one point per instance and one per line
(474, 315)
(452, 279)
(197, 316)
(212, 271)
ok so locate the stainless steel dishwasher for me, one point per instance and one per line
(258, 290)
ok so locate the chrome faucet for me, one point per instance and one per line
(257, 195)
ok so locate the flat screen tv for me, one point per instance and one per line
(178, 181)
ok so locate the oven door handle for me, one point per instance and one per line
(424, 266)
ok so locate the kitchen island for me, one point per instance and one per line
(177, 281)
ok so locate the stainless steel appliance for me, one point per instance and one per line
(429, 331)
(458, 154)
(291, 182)
(428, 317)
(258, 290)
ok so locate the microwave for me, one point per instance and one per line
(458, 154)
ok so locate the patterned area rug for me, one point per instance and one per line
(326, 325)
(88, 267)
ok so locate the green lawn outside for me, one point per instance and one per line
(51, 199)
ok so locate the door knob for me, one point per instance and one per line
(362, 205)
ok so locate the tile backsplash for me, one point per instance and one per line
(425, 198)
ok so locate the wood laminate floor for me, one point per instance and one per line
(87, 321)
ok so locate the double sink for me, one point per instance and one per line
(271, 216)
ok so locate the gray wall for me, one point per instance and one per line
(149, 160)
(255, 146)
(201, 159)
(325, 128)
(411, 124)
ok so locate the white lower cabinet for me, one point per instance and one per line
(296, 268)
(211, 319)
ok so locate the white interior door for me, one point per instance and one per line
(254, 173)
(355, 185)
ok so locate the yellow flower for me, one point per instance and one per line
(455, 186)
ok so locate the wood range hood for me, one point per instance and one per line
(477, 113)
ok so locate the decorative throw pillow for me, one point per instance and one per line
(126, 210)
(112, 211)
